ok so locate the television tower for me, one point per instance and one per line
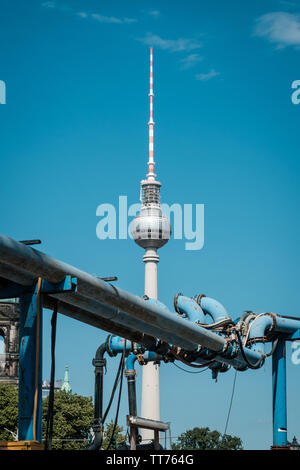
(151, 230)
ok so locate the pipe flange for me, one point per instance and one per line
(273, 316)
(130, 373)
(99, 362)
(175, 302)
(198, 298)
(107, 346)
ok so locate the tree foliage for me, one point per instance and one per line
(119, 437)
(204, 439)
(8, 411)
(73, 415)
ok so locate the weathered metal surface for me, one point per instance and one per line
(30, 342)
(99, 322)
(89, 305)
(147, 423)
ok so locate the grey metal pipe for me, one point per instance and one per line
(98, 309)
(20, 277)
(123, 319)
(99, 322)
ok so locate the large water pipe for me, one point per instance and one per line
(100, 322)
(104, 313)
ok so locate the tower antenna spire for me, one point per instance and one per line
(151, 175)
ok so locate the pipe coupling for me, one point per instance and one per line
(176, 302)
(130, 372)
(198, 298)
(273, 316)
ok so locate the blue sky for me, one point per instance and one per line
(74, 135)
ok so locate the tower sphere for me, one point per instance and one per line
(151, 228)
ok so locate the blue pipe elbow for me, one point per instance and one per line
(189, 307)
(149, 356)
(214, 308)
(131, 361)
(271, 322)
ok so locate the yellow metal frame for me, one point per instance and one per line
(21, 445)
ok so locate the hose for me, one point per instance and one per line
(49, 424)
(119, 398)
(250, 326)
(97, 443)
(189, 371)
(188, 363)
(230, 406)
(275, 342)
(227, 321)
(257, 364)
(113, 390)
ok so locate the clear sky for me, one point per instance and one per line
(74, 135)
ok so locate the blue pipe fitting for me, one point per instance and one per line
(213, 308)
(189, 307)
(115, 345)
(151, 356)
(131, 361)
(270, 322)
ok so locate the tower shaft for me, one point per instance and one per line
(150, 406)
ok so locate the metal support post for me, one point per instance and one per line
(30, 367)
(279, 395)
(30, 357)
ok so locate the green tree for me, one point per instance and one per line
(72, 419)
(8, 411)
(204, 439)
(119, 437)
